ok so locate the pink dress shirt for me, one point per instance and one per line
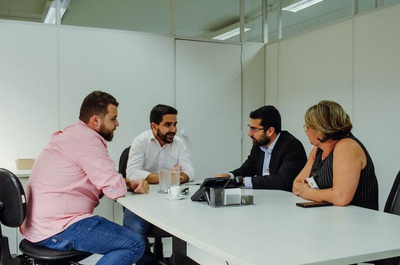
(68, 178)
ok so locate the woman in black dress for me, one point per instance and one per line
(339, 169)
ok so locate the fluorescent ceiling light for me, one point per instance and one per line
(229, 34)
(301, 5)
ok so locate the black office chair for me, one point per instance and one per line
(392, 206)
(154, 232)
(12, 214)
(393, 201)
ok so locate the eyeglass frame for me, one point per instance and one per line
(254, 130)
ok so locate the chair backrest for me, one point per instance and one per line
(12, 199)
(123, 161)
(393, 201)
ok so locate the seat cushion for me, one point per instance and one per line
(43, 253)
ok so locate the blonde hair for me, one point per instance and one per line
(329, 119)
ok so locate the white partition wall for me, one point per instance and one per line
(377, 91)
(208, 85)
(312, 67)
(28, 78)
(253, 84)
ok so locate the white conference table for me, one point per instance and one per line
(273, 230)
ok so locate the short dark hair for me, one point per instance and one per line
(269, 116)
(159, 111)
(96, 103)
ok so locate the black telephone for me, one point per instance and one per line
(204, 190)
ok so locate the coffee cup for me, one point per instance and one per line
(175, 191)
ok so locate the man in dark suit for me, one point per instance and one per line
(276, 156)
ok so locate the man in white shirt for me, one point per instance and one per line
(159, 148)
(151, 151)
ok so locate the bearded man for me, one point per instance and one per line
(276, 156)
(69, 177)
(153, 150)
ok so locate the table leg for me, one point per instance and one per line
(179, 254)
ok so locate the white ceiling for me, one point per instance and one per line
(192, 18)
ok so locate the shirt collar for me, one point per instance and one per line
(154, 139)
(84, 125)
(271, 147)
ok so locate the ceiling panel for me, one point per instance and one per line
(26, 10)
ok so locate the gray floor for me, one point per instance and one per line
(167, 245)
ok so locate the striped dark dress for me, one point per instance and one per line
(367, 191)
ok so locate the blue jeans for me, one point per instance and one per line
(118, 245)
(140, 226)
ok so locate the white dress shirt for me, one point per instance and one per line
(146, 156)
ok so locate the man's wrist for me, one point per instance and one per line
(239, 180)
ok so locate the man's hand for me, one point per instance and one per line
(183, 178)
(138, 186)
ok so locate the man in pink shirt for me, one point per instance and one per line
(67, 181)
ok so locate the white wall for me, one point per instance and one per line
(377, 90)
(28, 81)
(208, 84)
(253, 92)
(355, 63)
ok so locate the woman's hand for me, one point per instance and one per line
(301, 188)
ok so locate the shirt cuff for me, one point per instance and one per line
(247, 182)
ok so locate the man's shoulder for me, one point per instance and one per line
(285, 135)
(80, 134)
(146, 135)
(286, 138)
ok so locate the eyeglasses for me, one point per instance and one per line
(253, 129)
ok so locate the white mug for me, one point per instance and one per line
(175, 191)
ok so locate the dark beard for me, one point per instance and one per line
(107, 135)
(263, 141)
(164, 137)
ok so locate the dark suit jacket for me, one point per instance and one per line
(287, 159)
